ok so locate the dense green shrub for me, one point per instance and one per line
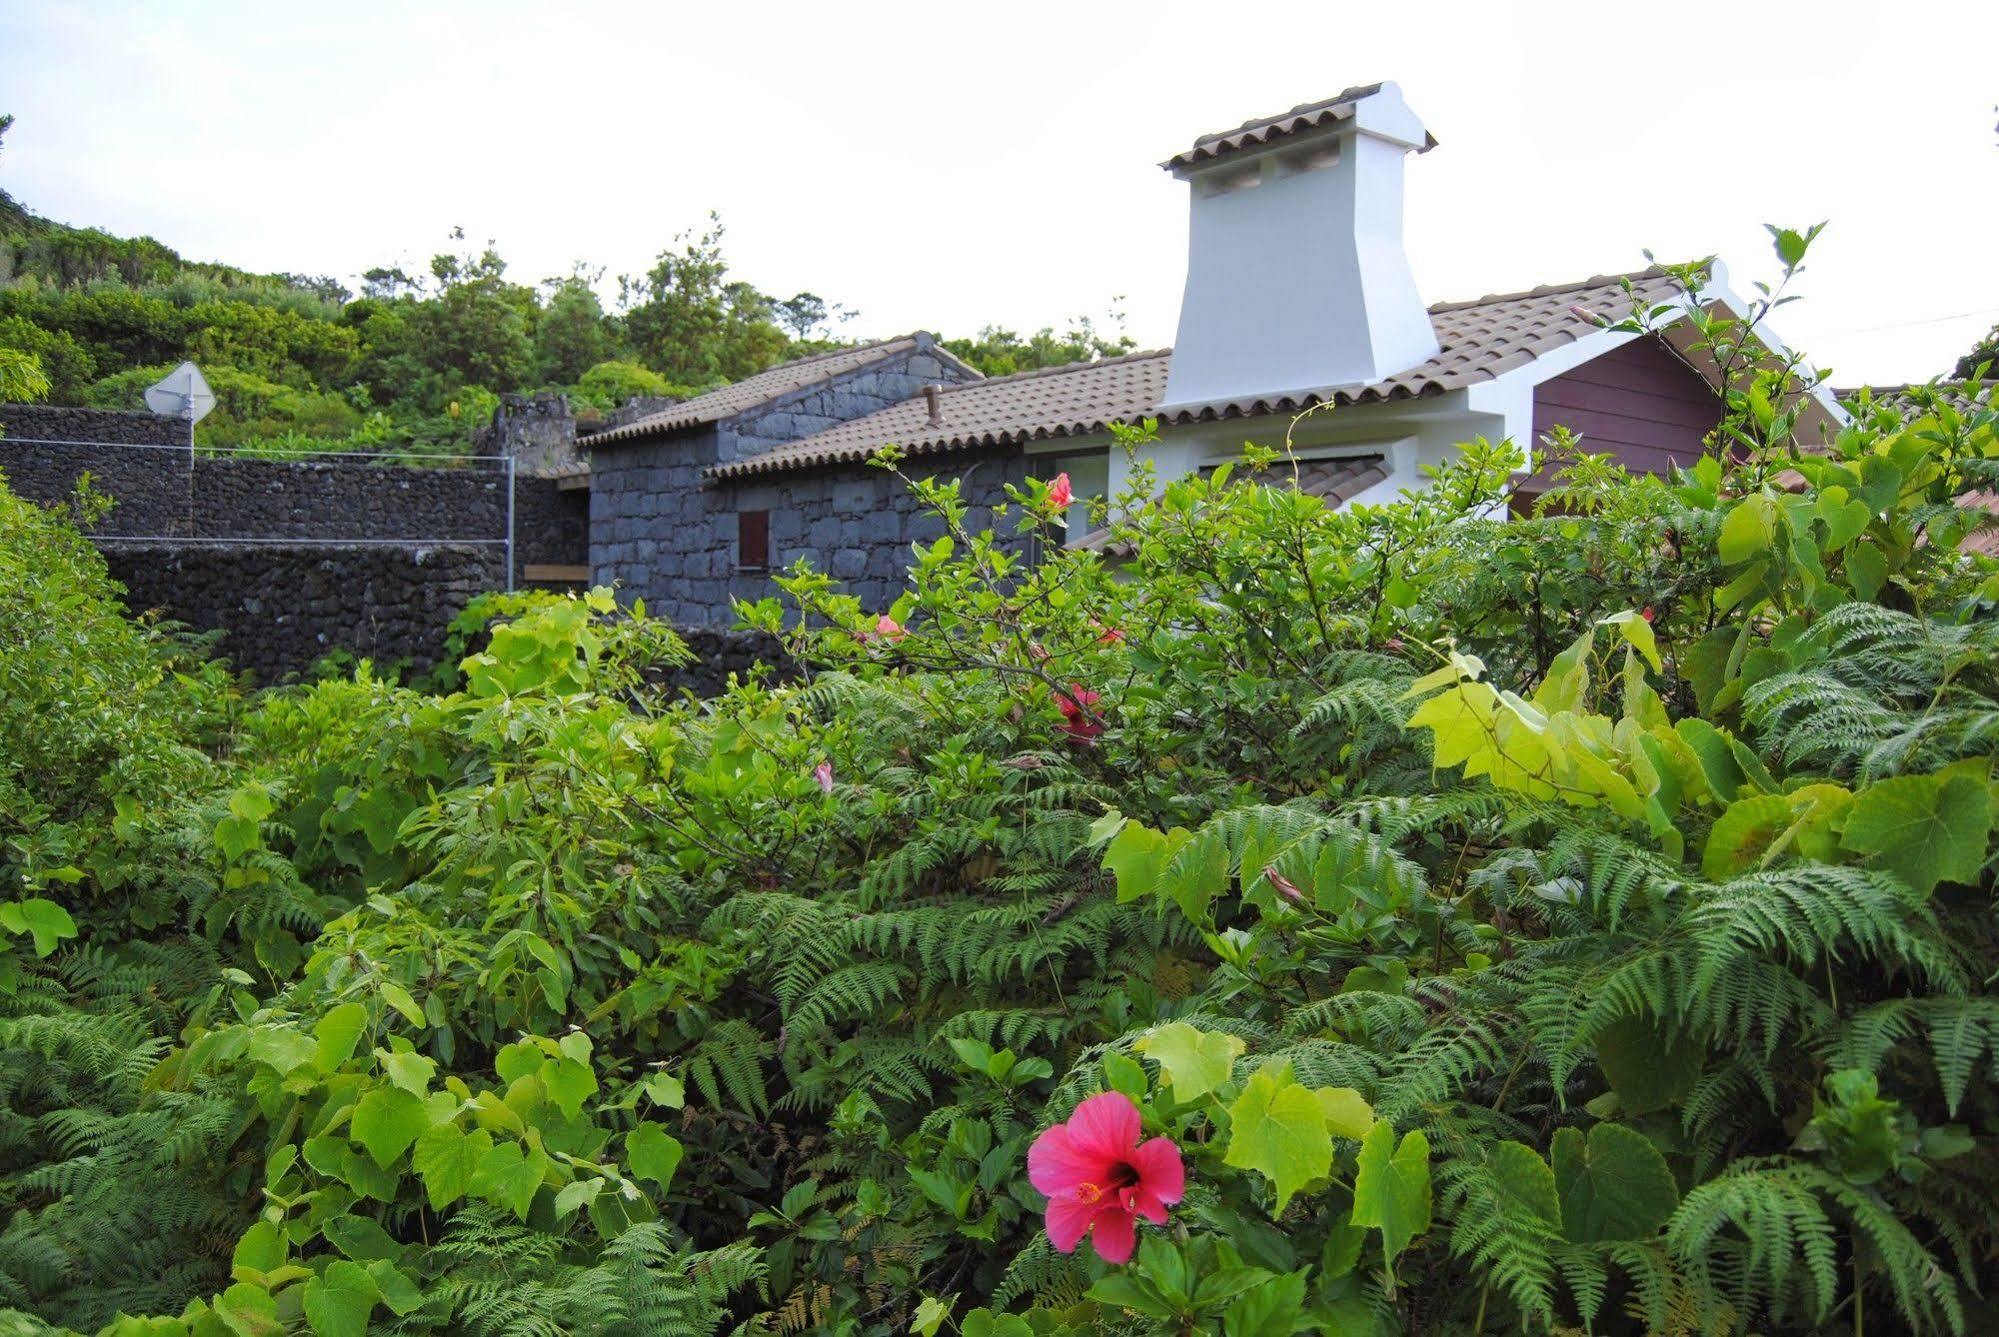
(1579, 922)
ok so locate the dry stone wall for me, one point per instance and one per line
(371, 559)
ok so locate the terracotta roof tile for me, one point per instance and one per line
(1265, 129)
(1479, 340)
(1074, 400)
(755, 391)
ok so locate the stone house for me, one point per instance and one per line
(1298, 294)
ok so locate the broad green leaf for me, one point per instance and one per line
(237, 836)
(397, 997)
(362, 1239)
(248, 1311)
(1137, 855)
(398, 1292)
(580, 1193)
(1749, 529)
(1195, 1062)
(518, 1060)
(283, 1048)
(652, 1154)
(1614, 1185)
(1391, 1187)
(930, 1315)
(45, 921)
(1278, 1129)
(1743, 832)
(1275, 1309)
(569, 1083)
(1347, 1113)
(508, 1178)
(446, 1159)
(1647, 1073)
(338, 1302)
(386, 1121)
(337, 1033)
(411, 1072)
(1926, 828)
(1528, 1180)
(261, 1250)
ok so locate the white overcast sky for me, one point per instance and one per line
(945, 166)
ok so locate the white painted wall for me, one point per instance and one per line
(1297, 278)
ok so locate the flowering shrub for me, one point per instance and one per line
(1389, 928)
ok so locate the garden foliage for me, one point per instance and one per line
(1581, 922)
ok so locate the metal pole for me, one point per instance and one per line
(510, 523)
(187, 411)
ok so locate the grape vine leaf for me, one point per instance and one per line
(1925, 828)
(337, 1033)
(446, 1159)
(338, 1302)
(1195, 1062)
(1614, 1185)
(1391, 1187)
(652, 1154)
(386, 1121)
(1278, 1129)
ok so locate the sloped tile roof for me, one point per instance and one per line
(1075, 400)
(1478, 341)
(1266, 129)
(760, 389)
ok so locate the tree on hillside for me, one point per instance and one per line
(573, 333)
(687, 322)
(998, 351)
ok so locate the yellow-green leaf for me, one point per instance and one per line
(1195, 1062)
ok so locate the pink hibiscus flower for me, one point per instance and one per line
(1059, 493)
(889, 629)
(1100, 1178)
(1079, 722)
(823, 773)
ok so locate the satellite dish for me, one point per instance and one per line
(182, 393)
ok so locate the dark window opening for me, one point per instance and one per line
(753, 540)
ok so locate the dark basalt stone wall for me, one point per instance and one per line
(281, 609)
(351, 554)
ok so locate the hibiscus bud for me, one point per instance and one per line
(1284, 885)
(1394, 645)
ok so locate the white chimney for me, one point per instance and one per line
(1296, 275)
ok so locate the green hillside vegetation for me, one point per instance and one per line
(1390, 920)
(412, 361)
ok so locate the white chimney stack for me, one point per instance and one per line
(1296, 275)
